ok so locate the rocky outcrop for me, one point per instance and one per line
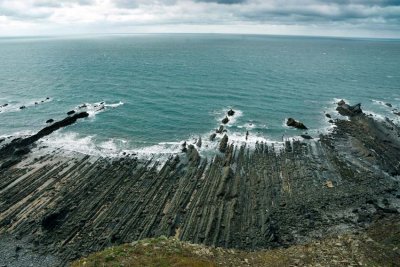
(199, 143)
(50, 121)
(225, 120)
(220, 130)
(71, 112)
(212, 137)
(9, 149)
(347, 110)
(223, 144)
(231, 112)
(296, 124)
(259, 198)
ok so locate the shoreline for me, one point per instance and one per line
(247, 199)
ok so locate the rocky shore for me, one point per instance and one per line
(269, 197)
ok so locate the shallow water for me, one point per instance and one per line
(161, 89)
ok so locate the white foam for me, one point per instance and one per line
(14, 106)
(94, 108)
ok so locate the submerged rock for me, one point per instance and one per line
(22, 107)
(71, 112)
(328, 115)
(223, 144)
(296, 124)
(50, 121)
(388, 104)
(225, 120)
(231, 112)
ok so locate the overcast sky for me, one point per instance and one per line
(359, 18)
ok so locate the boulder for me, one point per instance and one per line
(388, 104)
(220, 129)
(223, 144)
(341, 102)
(296, 124)
(198, 143)
(306, 136)
(50, 121)
(347, 110)
(71, 112)
(22, 107)
(247, 135)
(231, 112)
(328, 115)
(212, 136)
(225, 120)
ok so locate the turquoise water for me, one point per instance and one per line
(161, 89)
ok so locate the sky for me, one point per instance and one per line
(347, 18)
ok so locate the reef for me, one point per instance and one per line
(271, 196)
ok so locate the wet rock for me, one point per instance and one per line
(198, 143)
(331, 121)
(223, 144)
(328, 115)
(389, 105)
(50, 121)
(71, 112)
(212, 136)
(341, 102)
(4, 105)
(22, 151)
(193, 154)
(23, 142)
(231, 112)
(306, 136)
(225, 120)
(247, 135)
(22, 107)
(396, 113)
(220, 129)
(296, 124)
(347, 110)
(184, 148)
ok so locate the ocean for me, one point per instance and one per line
(162, 89)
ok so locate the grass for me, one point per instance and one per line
(377, 246)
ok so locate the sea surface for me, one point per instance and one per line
(161, 90)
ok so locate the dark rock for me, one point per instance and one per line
(71, 112)
(388, 104)
(231, 112)
(328, 115)
(212, 136)
(184, 148)
(225, 120)
(247, 135)
(36, 103)
(198, 143)
(22, 107)
(331, 121)
(193, 154)
(396, 113)
(220, 129)
(23, 142)
(3, 106)
(296, 124)
(347, 110)
(9, 163)
(341, 102)
(223, 144)
(50, 121)
(22, 151)
(306, 136)
(47, 98)
(53, 220)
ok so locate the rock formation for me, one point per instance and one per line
(293, 123)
